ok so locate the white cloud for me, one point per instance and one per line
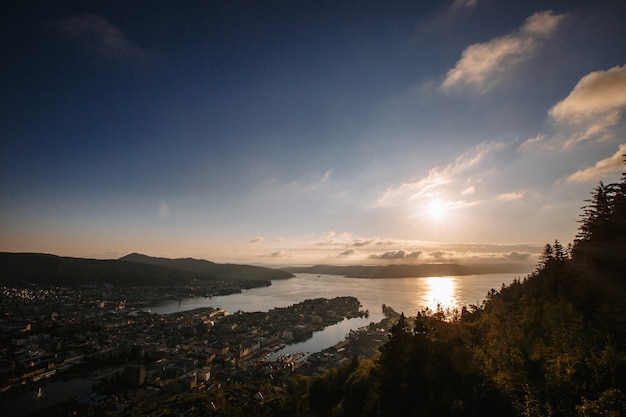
(541, 23)
(481, 63)
(611, 165)
(593, 106)
(597, 93)
(588, 113)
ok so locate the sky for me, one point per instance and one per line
(307, 132)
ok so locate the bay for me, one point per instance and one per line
(407, 295)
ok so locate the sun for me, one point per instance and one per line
(436, 210)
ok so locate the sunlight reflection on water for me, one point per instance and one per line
(440, 291)
(408, 295)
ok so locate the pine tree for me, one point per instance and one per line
(601, 240)
(546, 258)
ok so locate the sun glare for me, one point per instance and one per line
(441, 292)
(436, 210)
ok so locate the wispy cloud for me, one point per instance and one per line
(311, 184)
(103, 40)
(449, 16)
(601, 169)
(481, 63)
(451, 176)
(589, 113)
(464, 4)
(594, 105)
(258, 239)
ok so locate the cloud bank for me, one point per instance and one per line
(399, 254)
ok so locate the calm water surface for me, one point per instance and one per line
(408, 295)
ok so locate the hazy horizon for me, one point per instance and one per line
(318, 133)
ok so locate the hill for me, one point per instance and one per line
(229, 272)
(43, 269)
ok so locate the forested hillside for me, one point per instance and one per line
(552, 344)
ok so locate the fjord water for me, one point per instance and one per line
(408, 295)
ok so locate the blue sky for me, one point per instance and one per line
(307, 132)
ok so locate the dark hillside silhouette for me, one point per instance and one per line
(221, 271)
(36, 268)
(131, 270)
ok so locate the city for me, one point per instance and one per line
(131, 357)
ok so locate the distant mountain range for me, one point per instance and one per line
(142, 270)
(406, 271)
(130, 270)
